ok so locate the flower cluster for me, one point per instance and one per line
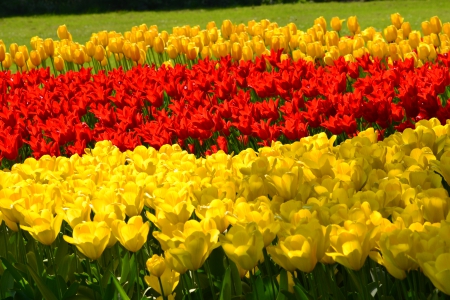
(214, 106)
(147, 45)
(303, 203)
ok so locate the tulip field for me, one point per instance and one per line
(233, 161)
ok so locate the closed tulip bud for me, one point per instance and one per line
(358, 43)
(104, 62)
(226, 29)
(406, 27)
(2, 52)
(59, 63)
(165, 36)
(19, 59)
(349, 58)
(436, 25)
(405, 48)
(293, 28)
(13, 48)
(24, 50)
(63, 33)
(210, 25)
(222, 49)
(156, 265)
(78, 56)
(394, 51)
(344, 48)
(206, 52)
(7, 62)
(192, 51)
(331, 55)
(134, 52)
(131, 235)
(149, 37)
(390, 33)
(259, 48)
(434, 40)
(423, 50)
(426, 28)
(171, 51)
(35, 58)
(297, 55)
(397, 20)
(90, 48)
(332, 39)
(275, 43)
(236, 51)
(99, 53)
(158, 44)
(446, 28)
(165, 284)
(352, 24)
(414, 39)
(336, 23)
(247, 53)
(243, 245)
(360, 52)
(322, 22)
(103, 38)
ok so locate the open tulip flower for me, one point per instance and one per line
(43, 227)
(90, 238)
(131, 235)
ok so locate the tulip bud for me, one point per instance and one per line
(192, 51)
(158, 44)
(259, 48)
(24, 51)
(35, 58)
(423, 50)
(103, 38)
(236, 51)
(78, 56)
(226, 29)
(396, 20)
(446, 28)
(134, 52)
(344, 47)
(352, 24)
(90, 48)
(63, 33)
(297, 55)
(49, 47)
(322, 22)
(247, 53)
(156, 265)
(358, 43)
(2, 52)
(332, 38)
(336, 23)
(13, 48)
(436, 25)
(331, 56)
(171, 51)
(165, 36)
(99, 53)
(426, 28)
(406, 27)
(414, 39)
(19, 59)
(7, 62)
(59, 63)
(206, 52)
(390, 33)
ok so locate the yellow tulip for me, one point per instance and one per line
(192, 51)
(13, 48)
(414, 39)
(226, 29)
(169, 281)
(406, 27)
(247, 53)
(19, 59)
(2, 52)
(236, 51)
(7, 62)
(91, 238)
(390, 33)
(302, 250)
(132, 235)
(426, 28)
(103, 38)
(243, 245)
(297, 55)
(352, 245)
(336, 23)
(171, 51)
(436, 25)
(322, 22)
(446, 28)
(397, 20)
(437, 270)
(44, 227)
(352, 24)
(423, 50)
(156, 265)
(206, 52)
(63, 33)
(174, 264)
(158, 44)
(59, 63)
(132, 196)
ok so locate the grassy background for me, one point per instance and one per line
(376, 13)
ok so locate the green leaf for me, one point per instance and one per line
(61, 252)
(119, 289)
(132, 276)
(45, 291)
(225, 293)
(299, 293)
(125, 268)
(236, 278)
(6, 282)
(356, 282)
(71, 291)
(259, 286)
(284, 285)
(23, 283)
(32, 261)
(64, 266)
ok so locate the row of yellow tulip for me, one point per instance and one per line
(319, 202)
(145, 44)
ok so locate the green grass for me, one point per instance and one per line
(376, 13)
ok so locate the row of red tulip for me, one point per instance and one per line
(215, 105)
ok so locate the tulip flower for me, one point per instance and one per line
(243, 245)
(7, 62)
(156, 265)
(352, 24)
(390, 33)
(131, 235)
(91, 238)
(168, 281)
(43, 227)
(438, 270)
(436, 25)
(397, 20)
(336, 23)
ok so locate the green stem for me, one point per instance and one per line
(137, 275)
(269, 270)
(252, 275)
(312, 284)
(99, 283)
(56, 272)
(91, 277)
(197, 279)
(186, 285)
(162, 290)
(211, 283)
